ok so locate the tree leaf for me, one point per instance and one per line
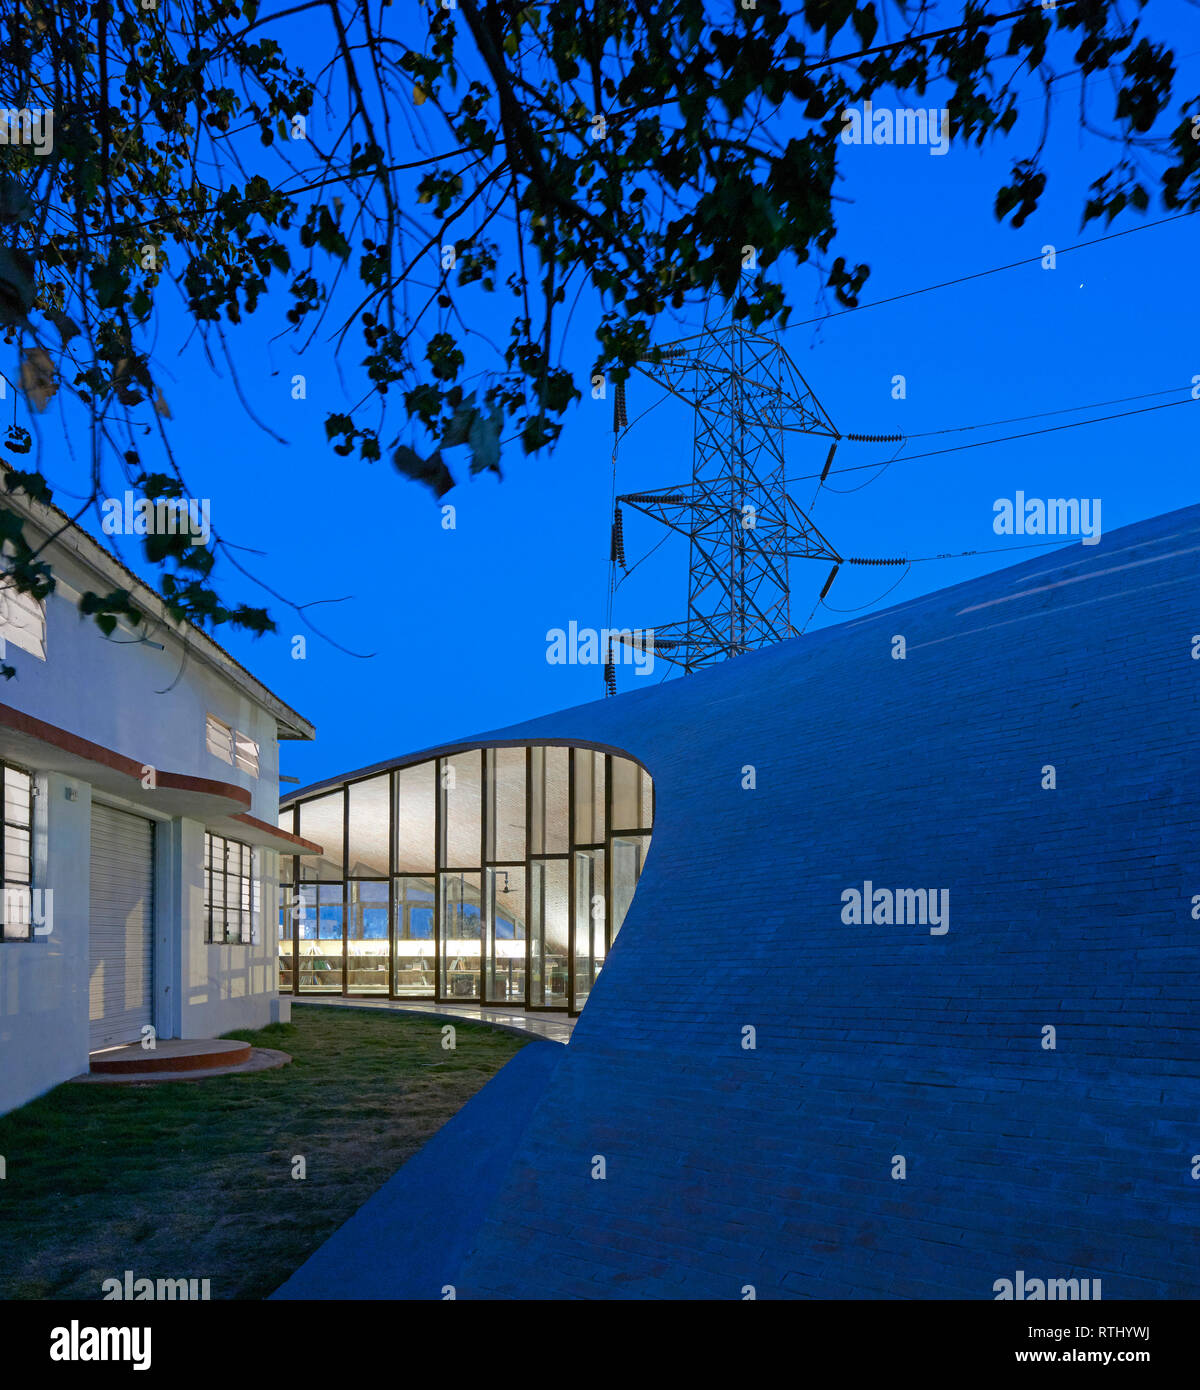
(17, 286)
(67, 328)
(109, 284)
(484, 439)
(431, 471)
(39, 380)
(15, 204)
(459, 428)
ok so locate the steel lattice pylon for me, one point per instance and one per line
(741, 525)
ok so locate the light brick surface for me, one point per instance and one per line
(1069, 908)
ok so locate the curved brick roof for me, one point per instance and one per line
(1069, 908)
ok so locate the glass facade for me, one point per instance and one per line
(495, 875)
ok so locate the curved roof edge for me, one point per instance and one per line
(1060, 554)
(441, 750)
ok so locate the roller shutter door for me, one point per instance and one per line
(122, 918)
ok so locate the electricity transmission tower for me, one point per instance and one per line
(741, 525)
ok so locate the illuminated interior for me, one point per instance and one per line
(495, 875)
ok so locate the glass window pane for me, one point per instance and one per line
(629, 854)
(415, 961)
(321, 822)
(321, 958)
(626, 791)
(504, 937)
(16, 854)
(306, 912)
(589, 796)
(367, 953)
(548, 932)
(548, 815)
(461, 936)
(16, 796)
(462, 785)
(16, 917)
(285, 947)
(16, 921)
(506, 803)
(369, 828)
(589, 921)
(416, 788)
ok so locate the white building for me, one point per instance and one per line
(140, 847)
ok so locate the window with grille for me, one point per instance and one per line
(16, 861)
(231, 892)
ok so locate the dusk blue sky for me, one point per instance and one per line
(454, 622)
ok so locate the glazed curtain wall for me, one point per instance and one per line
(499, 875)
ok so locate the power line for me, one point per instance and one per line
(960, 429)
(981, 21)
(1003, 439)
(908, 561)
(1042, 414)
(988, 550)
(870, 604)
(978, 22)
(994, 270)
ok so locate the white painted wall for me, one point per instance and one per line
(125, 695)
(224, 987)
(44, 983)
(150, 706)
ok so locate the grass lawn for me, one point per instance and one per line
(194, 1179)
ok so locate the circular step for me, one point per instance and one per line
(172, 1054)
